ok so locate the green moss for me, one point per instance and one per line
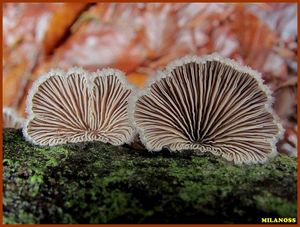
(275, 206)
(100, 183)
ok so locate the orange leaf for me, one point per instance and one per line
(137, 79)
(60, 23)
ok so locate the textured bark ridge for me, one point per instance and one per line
(100, 183)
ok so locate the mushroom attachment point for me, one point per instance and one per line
(78, 106)
(11, 119)
(208, 104)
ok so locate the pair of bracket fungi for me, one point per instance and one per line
(201, 104)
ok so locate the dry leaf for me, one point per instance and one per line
(60, 23)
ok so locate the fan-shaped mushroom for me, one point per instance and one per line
(208, 104)
(11, 119)
(79, 106)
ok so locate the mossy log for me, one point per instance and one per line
(100, 183)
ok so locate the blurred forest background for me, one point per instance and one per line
(140, 38)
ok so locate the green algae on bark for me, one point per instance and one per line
(100, 183)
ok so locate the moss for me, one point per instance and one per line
(274, 205)
(100, 183)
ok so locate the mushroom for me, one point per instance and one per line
(11, 119)
(208, 104)
(79, 106)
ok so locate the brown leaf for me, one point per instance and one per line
(255, 38)
(286, 100)
(60, 23)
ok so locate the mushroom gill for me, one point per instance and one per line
(79, 106)
(208, 104)
(11, 119)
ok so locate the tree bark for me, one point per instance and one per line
(100, 183)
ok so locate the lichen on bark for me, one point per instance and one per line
(100, 183)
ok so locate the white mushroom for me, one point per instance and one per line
(208, 104)
(78, 106)
(11, 119)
